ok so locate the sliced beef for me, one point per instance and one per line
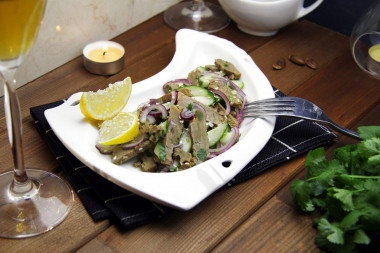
(182, 155)
(212, 68)
(194, 76)
(165, 98)
(175, 127)
(120, 155)
(232, 121)
(230, 93)
(171, 86)
(228, 68)
(198, 133)
(146, 163)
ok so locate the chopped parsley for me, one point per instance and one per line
(202, 154)
(199, 115)
(190, 106)
(346, 192)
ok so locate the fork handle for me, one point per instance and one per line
(344, 130)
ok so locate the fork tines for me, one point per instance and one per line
(271, 106)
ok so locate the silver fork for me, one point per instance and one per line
(292, 107)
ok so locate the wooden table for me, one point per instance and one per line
(255, 216)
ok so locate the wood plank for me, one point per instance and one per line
(304, 39)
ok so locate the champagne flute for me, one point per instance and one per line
(31, 201)
(365, 41)
(197, 15)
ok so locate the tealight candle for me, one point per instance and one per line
(103, 57)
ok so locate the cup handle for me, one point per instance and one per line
(307, 10)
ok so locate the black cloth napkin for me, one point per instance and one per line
(106, 200)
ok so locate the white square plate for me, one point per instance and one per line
(184, 189)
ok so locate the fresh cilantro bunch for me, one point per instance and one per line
(346, 192)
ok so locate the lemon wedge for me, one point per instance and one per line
(120, 129)
(105, 104)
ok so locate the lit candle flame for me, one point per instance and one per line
(105, 48)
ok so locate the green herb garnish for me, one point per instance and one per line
(190, 106)
(202, 154)
(346, 191)
(199, 115)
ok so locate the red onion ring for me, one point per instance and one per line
(145, 112)
(183, 81)
(187, 114)
(102, 150)
(174, 97)
(225, 98)
(179, 145)
(200, 108)
(133, 144)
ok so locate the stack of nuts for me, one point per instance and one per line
(281, 63)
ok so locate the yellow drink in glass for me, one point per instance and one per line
(19, 24)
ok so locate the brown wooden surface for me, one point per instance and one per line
(254, 216)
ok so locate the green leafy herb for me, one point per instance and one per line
(190, 106)
(346, 191)
(202, 154)
(199, 115)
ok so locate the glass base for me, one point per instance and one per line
(205, 17)
(361, 48)
(43, 208)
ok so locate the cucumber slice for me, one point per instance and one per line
(200, 94)
(205, 100)
(227, 136)
(215, 134)
(239, 83)
(204, 81)
(160, 152)
(164, 126)
(186, 141)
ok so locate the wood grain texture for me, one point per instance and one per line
(254, 216)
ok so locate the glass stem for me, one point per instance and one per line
(21, 184)
(197, 5)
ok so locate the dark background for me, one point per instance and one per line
(338, 15)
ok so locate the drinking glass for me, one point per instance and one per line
(31, 201)
(365, 41)
(198, 15)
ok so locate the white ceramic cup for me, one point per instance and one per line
(265, 17)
